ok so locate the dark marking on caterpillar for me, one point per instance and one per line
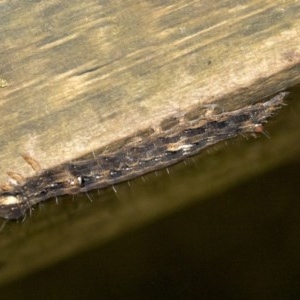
(177, 139)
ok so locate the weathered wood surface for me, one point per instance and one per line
(76, 76)
(82, 74)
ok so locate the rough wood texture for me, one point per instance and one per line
(76, 76)
(83, 74)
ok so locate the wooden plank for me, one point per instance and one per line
(78, 76)
(83, 75)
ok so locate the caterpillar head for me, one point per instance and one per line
(12, 206)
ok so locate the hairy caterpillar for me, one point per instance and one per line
(177, 139)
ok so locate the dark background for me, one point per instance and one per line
(242, 243)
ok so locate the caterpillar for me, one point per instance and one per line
(176, 139)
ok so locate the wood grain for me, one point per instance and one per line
(81, 75)
(76, 76)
